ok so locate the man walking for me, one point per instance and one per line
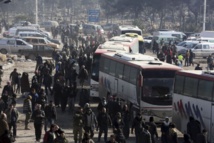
(78, 125)
(38, 117)
(50, 114)
(27, 110)
(12, 117)
(104, 121)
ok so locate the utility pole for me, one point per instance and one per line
(36, 11)
(204, 18)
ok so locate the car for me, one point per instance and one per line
(38, 49)
(182, 47)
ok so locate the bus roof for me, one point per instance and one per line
(128, 27)
(144, 64)
(135, 35)
(123, 38)
(135, 57)
(206, 75)
(112, 46)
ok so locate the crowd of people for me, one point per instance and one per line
(54, 84)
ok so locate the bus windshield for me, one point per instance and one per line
(131, 31)
(95, 67)
(157, 87)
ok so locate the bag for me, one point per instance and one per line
(45, 139)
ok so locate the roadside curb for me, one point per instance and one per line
(8, 65)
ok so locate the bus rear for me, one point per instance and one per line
(108, 46)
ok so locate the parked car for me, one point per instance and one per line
(12, 45)
(182, 47)
(40, 40)
(39, 49)
(92, 29)
(203, 50)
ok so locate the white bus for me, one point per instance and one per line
(123, 29)
(116, 44)
(119, 76)
(193, 96)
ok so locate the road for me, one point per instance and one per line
(64, 119)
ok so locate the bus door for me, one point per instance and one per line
(212, 123)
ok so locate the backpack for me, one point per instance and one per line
(45, 139)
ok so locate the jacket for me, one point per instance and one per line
(50, 112)
(38, 116)
(12, 115)
(27, 106)
(90, 120)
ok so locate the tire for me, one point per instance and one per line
(3, 51)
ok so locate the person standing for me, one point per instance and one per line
(1, 74)
(38, 117)
(14, 78)
(90, 122)
(104, 121)
(78, 125)
(145, 135)
(27, 110)
(34, 99)
(83, 75)
(202, 137)
(126, 119)
(137, 125)
(39, 61)
(4, 130)
(12, 117)
(193, 128)
(173, 136)
(165, 130)
(8, 88)
(2, 105)
(152, 129)
(50, 114)
(47, 81)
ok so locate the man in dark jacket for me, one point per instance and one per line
(78, 125)
(90, 122)
(38, 117)
(27, 110)
(8, 88)
(104, 121)
(202, 137)
(138, 125)
(193, 128)
(12, 117)
(50, 114)
(47, 81)
(152, 129)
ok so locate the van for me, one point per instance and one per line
(203, 49)
(40, 40)
(180, 35)
(49, 24)
(206, 39)
(12, 45)
(92, 29)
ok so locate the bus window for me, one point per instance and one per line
(179, 84)
(204, 89)
(106, 65)
(131, 31)
(190, 86)
(119, 70)
(112, 68)
(126, 73)
(133, 75)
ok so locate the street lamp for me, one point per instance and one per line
(36, 11)
(204, 18)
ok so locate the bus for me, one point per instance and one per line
(194, 96)
(120, 76)
(123, 29)
(140, 40)
(115, 44)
